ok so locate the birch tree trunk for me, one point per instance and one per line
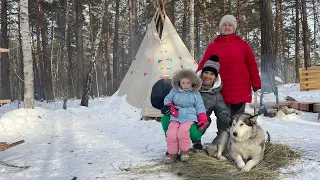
(88, 86)
(27, 57)
(191, 9)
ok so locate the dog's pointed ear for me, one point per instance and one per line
(253, 119)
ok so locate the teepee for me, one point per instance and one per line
(161, 53)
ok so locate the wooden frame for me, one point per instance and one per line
(309, 78)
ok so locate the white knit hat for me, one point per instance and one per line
(230, 19)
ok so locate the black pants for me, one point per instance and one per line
(236, 108)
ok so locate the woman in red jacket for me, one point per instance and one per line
(238, 68)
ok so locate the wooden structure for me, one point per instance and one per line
(309, 78)
(4, 101)
(307, 106)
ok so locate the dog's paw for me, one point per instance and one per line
(211, 150)
(240, 164)
(222, 158)
(245, 169)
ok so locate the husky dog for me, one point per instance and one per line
(245, 142)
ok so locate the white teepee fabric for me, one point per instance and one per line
(155, 59)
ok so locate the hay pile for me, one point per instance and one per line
(203, 167)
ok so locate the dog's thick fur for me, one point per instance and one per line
(245, 142)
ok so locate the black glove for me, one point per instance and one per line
(166, 110)
(255, 89)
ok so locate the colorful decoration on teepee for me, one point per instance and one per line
(159, 61)
(154, 74)
(162, 67)
(194, 62)
(149, 60)
(137, 70)
(180, 58)
(181, 66)
(144, 74)
(134, 59)
(170, 59)
(171, 68)
(131, 72)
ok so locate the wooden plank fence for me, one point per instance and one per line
(309, 78)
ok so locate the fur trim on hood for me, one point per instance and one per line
(186, 73)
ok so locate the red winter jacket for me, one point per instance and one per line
(238, 68)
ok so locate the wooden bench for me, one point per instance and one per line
(4, 101)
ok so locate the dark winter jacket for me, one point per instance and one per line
(213, 101)
(238, 68)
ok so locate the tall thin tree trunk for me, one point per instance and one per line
(20, 59)
(238, 15)
(79, 46)
(315, 40)
(206, 23)
(267, 47)
(115, 78)
(297, 45)
(65, 83)
(184, 22)
(27, 57)
(283, 45)
(39, 61)
(46, 60)
(276, 42)
(230, 6)
(88, 87)
(5, 91)
(191, 27)
(107, 51)
(197, 32)
(132, 28)
(51, 62)
(306, 44)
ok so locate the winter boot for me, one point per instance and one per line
(184, 156)
(197, 145)
(170, 158)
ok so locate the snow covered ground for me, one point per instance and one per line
(107, 139)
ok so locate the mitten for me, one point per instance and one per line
(202, 121)
(166, 110)
(255, 89)
(174, 110)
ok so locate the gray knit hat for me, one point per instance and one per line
(230, 19)
(212, 65)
